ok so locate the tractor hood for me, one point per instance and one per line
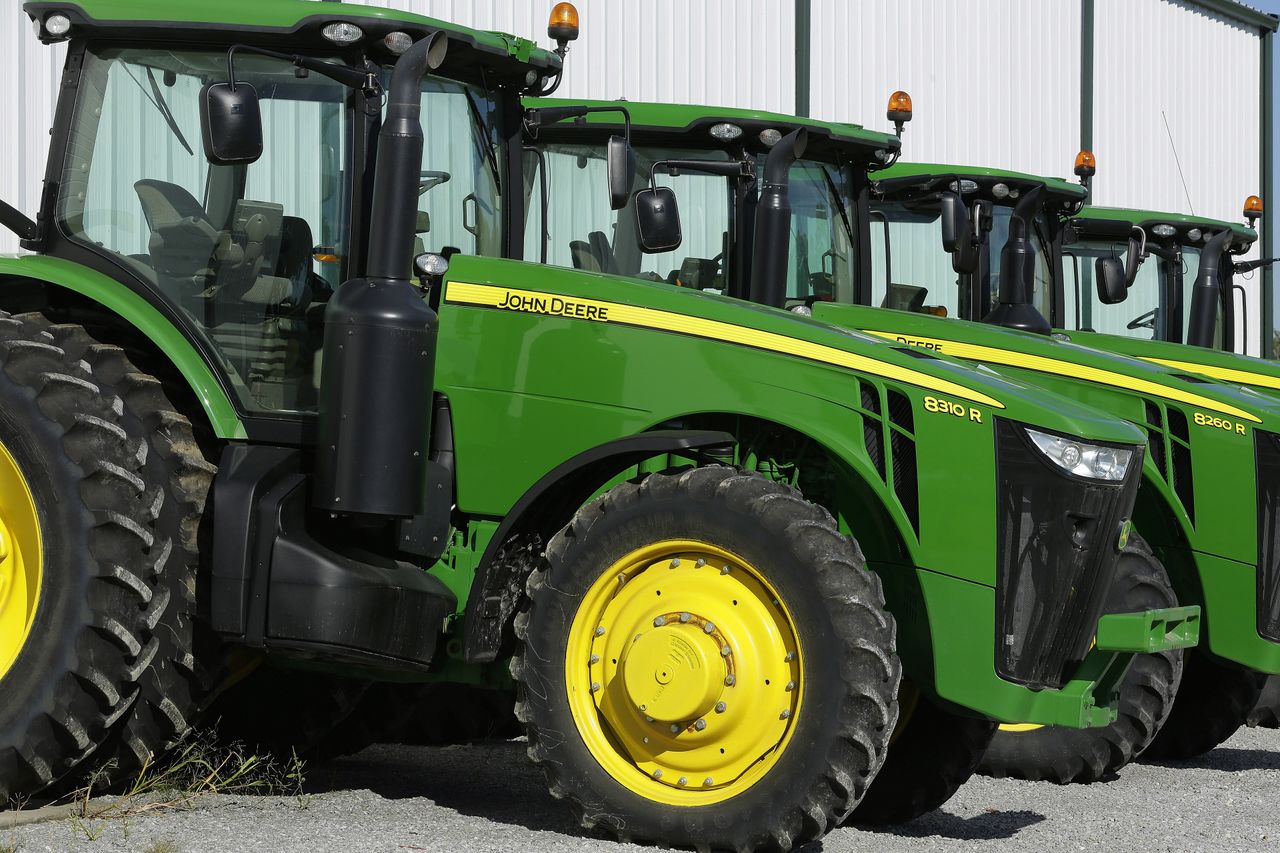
(788, 337)
(1059, 356)
(1226, 367)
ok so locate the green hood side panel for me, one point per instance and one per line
(133, 309)
(1257, 373)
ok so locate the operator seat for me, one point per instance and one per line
(183, 239)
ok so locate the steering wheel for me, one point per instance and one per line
(1143, 321)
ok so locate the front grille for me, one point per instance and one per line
(1267, 453)
(1056, 557)
(1180, 446)
(902, 444)
(872, 425)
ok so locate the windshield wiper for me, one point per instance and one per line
(156, 97)
(835, 195)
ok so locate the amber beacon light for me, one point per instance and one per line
(899, 111)
(563, 26)
(1252, 209)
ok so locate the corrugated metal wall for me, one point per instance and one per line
(995, 83)
(1174, 84)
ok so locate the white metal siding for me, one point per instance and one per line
(1158, 61)
(32, 72)
(995, 83)
(723, 52)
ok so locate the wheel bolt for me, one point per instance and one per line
(791, 685)
(595, 687)
(701, 562)
(675, 563)
(730, 680)
(721, 707)
(685, 617)
(648, 719)
(594, 659)
(700, 725)
(683, 780)
(790, 656)
(645, 739)
(710, 628)
(600, 631)
(725, 651)
(675, 729)
(724, 570)
(707, 781)
(657, 774)
(785, 714)
(622, 578)
(659, 622)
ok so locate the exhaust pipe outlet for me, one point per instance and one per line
(1206, 293)
(1017, 267)
(378, 374)
(773, 222)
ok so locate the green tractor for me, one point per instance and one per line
(814, 218)
(1154, 319)
(279, 388)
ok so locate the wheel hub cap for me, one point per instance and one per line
(20, 560)
(673, 673)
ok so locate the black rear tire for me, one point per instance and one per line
(176, 681)
(1064, 756)
(1213, 702)
(933, 752)
(837, 610)
(102, 617)
(1266, 712)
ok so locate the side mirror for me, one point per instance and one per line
(1113, 284)
(955, 222)
(657, 220)
(621, 165)
(1136, 255)
(231, 124)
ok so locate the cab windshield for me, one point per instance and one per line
(1145, 314)
(247, 256)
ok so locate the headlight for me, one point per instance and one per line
(1095, 461)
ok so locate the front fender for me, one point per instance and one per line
(141, 315)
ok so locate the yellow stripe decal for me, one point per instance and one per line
(535, 302)
(1041, 364)
(1226, 374)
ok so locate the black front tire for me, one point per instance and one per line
(1065, 756)
(933, 752)
(836, 607)
(1213, 702)
(1266, 712)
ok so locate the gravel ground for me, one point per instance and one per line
(489, 798)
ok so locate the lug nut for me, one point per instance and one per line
(709, 627)
(791, 685)
(721, 707)
(657, 774)
(657, 623)
(600, 631)
(724, 570)
(725, 651)
(730, 680)
(700, 725)
(701, 562)
(594, 659)
(707, 781)
(685, 617)
(683, 780)
(675, 563)
(790, 656)
(645, 739)
(595, 687)
(785, 714)
(675, 729)
(648, 719)
(622, 578)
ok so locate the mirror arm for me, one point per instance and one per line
(364, 81)
(544, 116)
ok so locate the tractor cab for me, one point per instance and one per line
(1169, 253)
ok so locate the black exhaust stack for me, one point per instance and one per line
(773, 222)
(1017, 266)
(1206, 293)
(378, 374)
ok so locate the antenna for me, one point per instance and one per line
(1178, 162)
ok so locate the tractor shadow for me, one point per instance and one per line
(1225, 759)
(991, 825)
(494, 780)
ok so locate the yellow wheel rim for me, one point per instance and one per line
(20, 560)
(1020, 727)
(683, 673)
